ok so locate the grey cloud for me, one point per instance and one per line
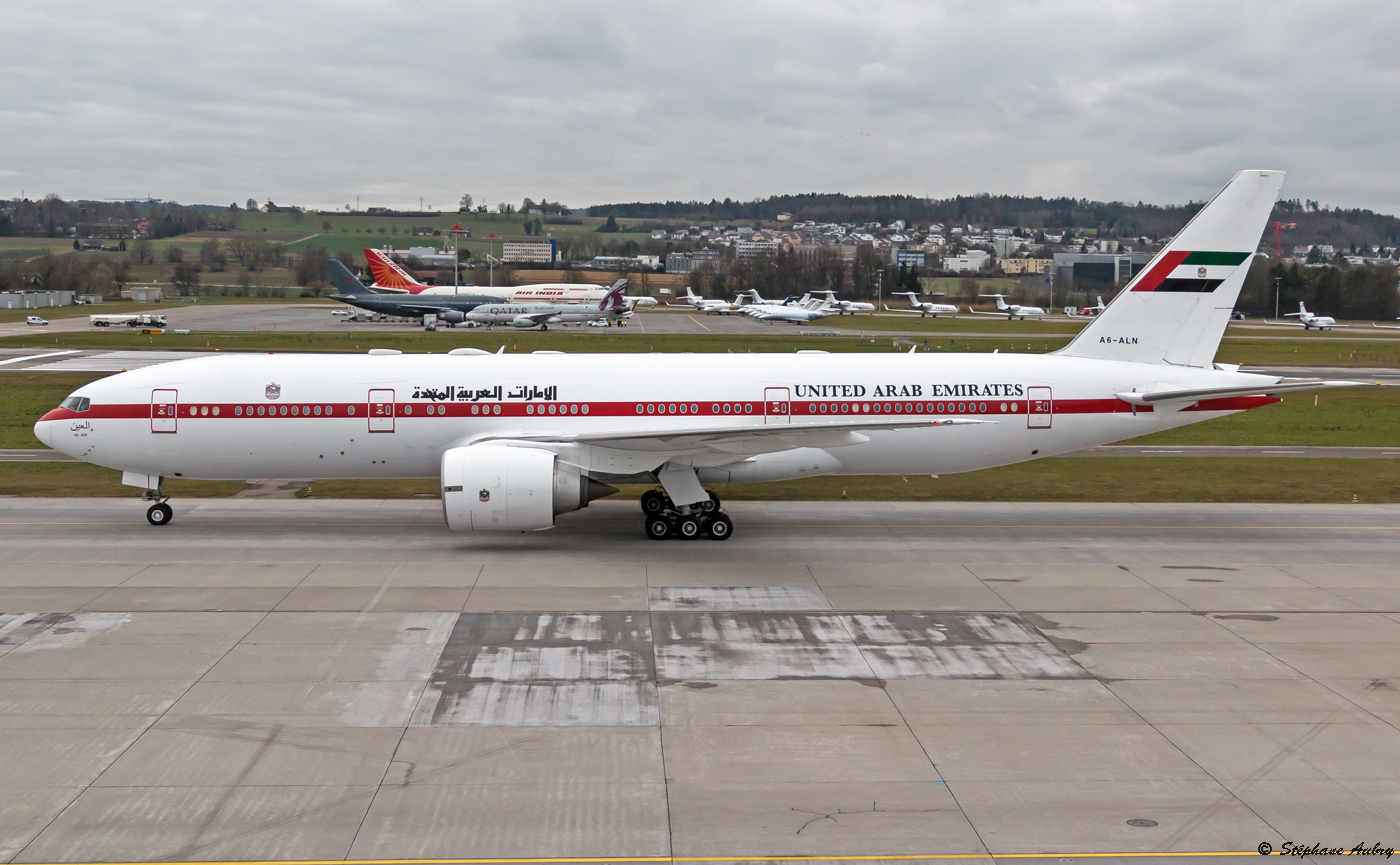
(318, 102)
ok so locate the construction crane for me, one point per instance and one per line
(1279, 228)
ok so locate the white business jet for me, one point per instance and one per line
(1010, 310)
(844, 306)
(924, 307)
(703, 304)
(1310, 320)
(516, 439)
(797, 313)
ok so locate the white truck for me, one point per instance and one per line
(131, 320)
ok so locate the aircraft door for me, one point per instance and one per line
(165, 410)
(776, 408)
(381, 411)
(1040, 408)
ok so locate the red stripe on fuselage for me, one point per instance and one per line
(752, 409)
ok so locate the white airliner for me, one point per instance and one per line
(1010, 310)
(390, 278)
(516, 439)
(1310, 320)
(542, 315)
(845, 306)
(924, 307)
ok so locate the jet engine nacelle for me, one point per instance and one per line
(453, 316)
(496, 488)
(522, 321)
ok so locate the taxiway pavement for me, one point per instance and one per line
(268, 679)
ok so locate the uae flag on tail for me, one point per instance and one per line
(1183, 271)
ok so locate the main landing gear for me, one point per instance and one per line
(704, 520)
(160, 513)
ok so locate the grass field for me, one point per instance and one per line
(573, 340)
(82, 479)
(1095, 479)
(1087, 479)
(964, 322)
(26, 397)
(1307, 351)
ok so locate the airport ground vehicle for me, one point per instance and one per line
(517, 439)
(34, 320)
(144, 319)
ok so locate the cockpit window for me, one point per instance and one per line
(75, 403)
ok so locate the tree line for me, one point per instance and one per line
(53, 217)
(1315, 223)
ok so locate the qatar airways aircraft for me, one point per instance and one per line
(518, 439)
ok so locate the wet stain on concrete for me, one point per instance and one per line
(18, 628)
(603, 669)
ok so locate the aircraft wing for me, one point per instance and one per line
(914, 311)
(1163, 396)
(1385, 326)
(418, 307)
(750, 438)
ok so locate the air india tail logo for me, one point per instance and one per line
(387, 273)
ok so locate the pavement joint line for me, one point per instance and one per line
(760, 858)
(292, 525)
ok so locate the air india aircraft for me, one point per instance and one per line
(390, 278)
(517, 439)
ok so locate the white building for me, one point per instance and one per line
(756, 248)
(532, 252)
(972, 261)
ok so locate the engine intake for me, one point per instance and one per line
(497, 488)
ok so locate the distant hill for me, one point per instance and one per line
(1337, 226)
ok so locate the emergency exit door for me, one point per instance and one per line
(165, 411)
(1040, 408)
(776, 408)
(381, 411)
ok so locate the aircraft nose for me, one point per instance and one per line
(41, 432)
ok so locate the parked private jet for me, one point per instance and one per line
(924, 307)
(1310, 320)
(1010, 310)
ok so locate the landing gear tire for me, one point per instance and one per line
(658, 528)
(159, 515)
(711, 506)
(654, 502)
(720, 528)
(688, 528)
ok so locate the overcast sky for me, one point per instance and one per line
(315, 103)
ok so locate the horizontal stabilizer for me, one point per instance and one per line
(1163, 396)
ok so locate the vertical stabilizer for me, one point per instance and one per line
(388, 274)
(1176, 309)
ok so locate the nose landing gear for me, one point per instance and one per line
(707, 519)
(160, 513)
